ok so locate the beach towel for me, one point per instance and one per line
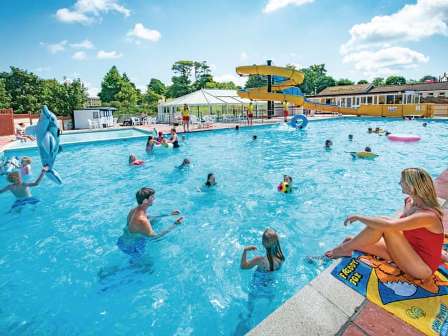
(422, 304)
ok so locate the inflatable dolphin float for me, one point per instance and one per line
(47, 134)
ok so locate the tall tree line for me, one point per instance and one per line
(25, 92)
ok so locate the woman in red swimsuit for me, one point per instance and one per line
(413, 241)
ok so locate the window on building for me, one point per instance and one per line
(389, 99)
(381, 100)
(398, 99)
(441, 94)
(95, 115)
(363, 100)
(357, 101)
(430, 94)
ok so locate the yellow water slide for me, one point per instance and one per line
(292, 78)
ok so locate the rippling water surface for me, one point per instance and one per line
(62, 274)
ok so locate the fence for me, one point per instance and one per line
(6, 122)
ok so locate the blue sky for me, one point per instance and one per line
(355, 39)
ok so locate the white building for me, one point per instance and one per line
(94, 117)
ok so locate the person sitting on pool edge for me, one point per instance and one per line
(328, 144)
(22, 190)
(139, 224)
(413, 241)
(133, 161)
(274, 256)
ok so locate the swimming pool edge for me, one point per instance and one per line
(323, 307)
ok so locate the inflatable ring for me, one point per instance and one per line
(364, 155)
(298, 121)
(163, 146)
(403, 137)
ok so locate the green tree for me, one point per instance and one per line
(222, 85)
(363, 81)
(110, 85)
(344, 81)
(428, 78)
(180, 87)
(395, 80)
(202, 74)
(54, 95)
(157, 86)
(25, 90)
(255, 81)
(76, 95)
(5, 98)
(378, 81)
(316, 79)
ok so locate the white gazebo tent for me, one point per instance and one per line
(207, 102)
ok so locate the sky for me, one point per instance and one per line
(356, 39)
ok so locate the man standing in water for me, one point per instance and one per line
(139, 227)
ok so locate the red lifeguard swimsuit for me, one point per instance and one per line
(427, 244)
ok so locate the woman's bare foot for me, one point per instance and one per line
(338, 252)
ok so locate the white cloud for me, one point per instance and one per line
(108, 54)
(79, 56)
(376, 47)
(91, 89)
(241, 81)
(139, 31)
(85, 11)
(55, 47)
(244, 56)
(411, 23)
(386, 61)
(86, 44)
(274, 5)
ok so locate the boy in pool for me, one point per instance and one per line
(254, 137)
(25, 166)
(350, 137)
(328, 144)
(286, 185)
(133, 161)
(368, 149)
(22, 190)
(139, 224)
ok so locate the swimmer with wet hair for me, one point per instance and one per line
(274, 256)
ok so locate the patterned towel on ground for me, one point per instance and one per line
(422, 304)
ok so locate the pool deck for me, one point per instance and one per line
(328, 307)
(7, 141)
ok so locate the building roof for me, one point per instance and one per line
(411, 87)
(369, 89)
(208, 97)
(345, 90)
(102, 108)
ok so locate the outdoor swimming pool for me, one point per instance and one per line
(63, 274)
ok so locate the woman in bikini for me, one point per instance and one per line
(413, 241)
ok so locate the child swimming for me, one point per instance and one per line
(286, 185)
(25, 166)
(274, 256)
(21, 190)
(185, 164)
(150, 144)
(211, 181)
(328, 144)
(133, 161)
(350, 137)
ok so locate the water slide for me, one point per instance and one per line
(284, 79)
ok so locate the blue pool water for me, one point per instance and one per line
(62, 274)
(87, 136)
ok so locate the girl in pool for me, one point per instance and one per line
(173, 139)
(150, 144)
(413, 241)
(274, 256)
(160, 138)
(133, 161)
(211, 181)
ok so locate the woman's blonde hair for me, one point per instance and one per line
(421, 185)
